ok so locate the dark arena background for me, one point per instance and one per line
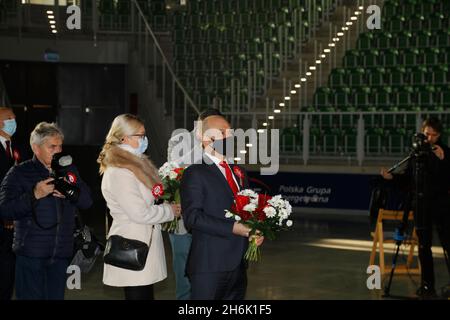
(346, 83)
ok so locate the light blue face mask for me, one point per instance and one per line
(143, 145)
(10, 126)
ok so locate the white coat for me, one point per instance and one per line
(134, 214)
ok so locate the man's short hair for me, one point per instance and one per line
(209, 112)
(433, 123)
(44, 130)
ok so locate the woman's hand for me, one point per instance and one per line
(176, 209)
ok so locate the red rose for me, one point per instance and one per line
(158, 190)
(179, 172)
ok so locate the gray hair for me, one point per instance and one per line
(44, 130)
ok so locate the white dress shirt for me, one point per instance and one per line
(217, 162)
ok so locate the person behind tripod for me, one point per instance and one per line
(436, 206)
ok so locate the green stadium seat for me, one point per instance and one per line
(385, 40)
(383, 96)
(436, 21)
(376, 77)
(337, 78)
(365, 41)
(362, 96)
(426, 95)
(418, 75)
(356, 77)
(351, 59)
(389, 9)
(373, 143)
(396, 76)
(422, 39)
(342, 96)
(404, 96)
(410, 56)
(397, 24)
(443, 38)
(440, 74)
(322, 97)
(371, 58)
(431, 56)
(404, 39)
(417, 22)
(391, 58)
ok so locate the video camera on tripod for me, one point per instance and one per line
(421, 146)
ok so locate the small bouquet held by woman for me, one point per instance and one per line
(169, 190)
(265, 216)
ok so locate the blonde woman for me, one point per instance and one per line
(128, 177)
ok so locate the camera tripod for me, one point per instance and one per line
(418, 197)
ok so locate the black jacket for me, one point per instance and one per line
(205, 194)
(20, 154)
(17, 202)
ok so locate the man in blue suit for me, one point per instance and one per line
(216, 266)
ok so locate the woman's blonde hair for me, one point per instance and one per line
(122, 126)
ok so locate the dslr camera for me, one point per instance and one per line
(65, 181)
(421, 146)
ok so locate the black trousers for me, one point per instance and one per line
(437, 213)
(7, 264)
(231, 285)
(139, 293)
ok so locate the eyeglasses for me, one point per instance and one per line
(138, 135)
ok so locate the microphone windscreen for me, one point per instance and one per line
(65, 161)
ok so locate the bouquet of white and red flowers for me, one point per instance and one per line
(260, 212)
(169, 189)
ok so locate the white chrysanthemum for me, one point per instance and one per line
(289, 223)
(250, 207)
(283, 214)
(288, 207)
(276, 201)
(173, 175)
(249, 193)
(228, 214)
(165, 169)
(237, 218)
(270, 212)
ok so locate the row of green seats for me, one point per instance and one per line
(363, 96)
(393, 57)
(392, 8)
(403, 39)
(417, 75)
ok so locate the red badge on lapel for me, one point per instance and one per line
(16, 156)
(240, 174)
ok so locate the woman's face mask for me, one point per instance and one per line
(142, 147)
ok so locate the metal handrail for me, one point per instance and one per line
(161, 52)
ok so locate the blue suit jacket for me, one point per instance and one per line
(205, 195)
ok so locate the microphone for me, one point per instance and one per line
(65, 161)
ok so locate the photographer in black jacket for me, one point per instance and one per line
(435, 202)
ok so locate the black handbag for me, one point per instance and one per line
(126, 253)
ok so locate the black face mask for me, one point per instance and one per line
(223, 146)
